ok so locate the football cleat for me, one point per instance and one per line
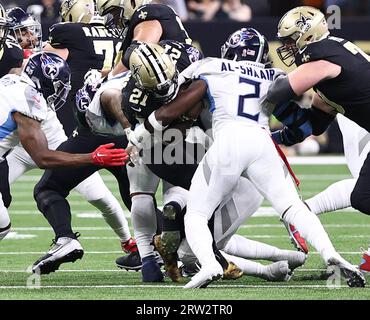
(350, 273)
(278, 271)
(296, 238)
(232, 272)
(365, 262)
(205, 276)
(151, 271)
(169, 259)
(129, 262)
(63, 250)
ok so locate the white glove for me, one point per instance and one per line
(93, 78)
(140, 137)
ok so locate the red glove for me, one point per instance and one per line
(107, 157)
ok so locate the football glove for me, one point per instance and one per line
(105, 156)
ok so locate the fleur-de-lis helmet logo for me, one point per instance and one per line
(303, 23)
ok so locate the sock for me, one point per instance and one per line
(144, 222)
(200, 238)
(57, 211)
(113, 215)
(249, 268)
(250, 249)
(336, 196)
(311, 229)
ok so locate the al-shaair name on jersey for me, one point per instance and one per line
(234, 89)
(11, 56)
(17, 94)
(349, 92)
(172, 27)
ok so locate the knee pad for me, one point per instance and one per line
(45, 198)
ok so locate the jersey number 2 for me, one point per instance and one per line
(242, 99)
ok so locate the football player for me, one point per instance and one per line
(324, 63)
(44, 83)
(144, 22)
(95, 48)
(137, 103)
(85, 43)
(27, 31)
(11, 54)
(237, 124)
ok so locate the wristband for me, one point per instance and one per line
(154, 122)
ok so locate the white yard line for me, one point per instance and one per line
(136, 286)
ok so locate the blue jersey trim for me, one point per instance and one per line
(8, 126)
(209, 96)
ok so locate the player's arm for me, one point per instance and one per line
(146, 31)
(63, 53)
(34, 141)
(186, 100)
(111, 103)
(296, 83)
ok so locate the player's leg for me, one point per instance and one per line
(249, 249)
(19, 162)
(143, 185)
(360, 197)
(268, 176)
(94, 190)
(216, 177)
(335, 197)
(5, 200)
(278, 271)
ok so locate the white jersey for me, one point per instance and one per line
(17, 94)
(95, 117)
(234, 89)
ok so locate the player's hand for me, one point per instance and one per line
(93, 79)
(105, 156)
(140, 137)
(134, 154)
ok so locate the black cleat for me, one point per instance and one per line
(130, 261)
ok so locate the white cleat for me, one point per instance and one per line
(63, 250)
(205, 276)
(349, 272)
(278, 271)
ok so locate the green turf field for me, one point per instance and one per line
(96, 276)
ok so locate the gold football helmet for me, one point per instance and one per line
(121, 10)
(298, 28)
(154, 71)
(4, 28)
(77, 10)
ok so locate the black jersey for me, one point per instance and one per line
(172, 27)
(90, 46)
(139, 104)
(11, 56)
(349, 92)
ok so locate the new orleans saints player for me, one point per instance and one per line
(336, 69)
(84, 42)
(11, 54)
(144, 22)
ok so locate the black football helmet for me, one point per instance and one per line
(246, 44)
(25, 29)
(52, 76)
